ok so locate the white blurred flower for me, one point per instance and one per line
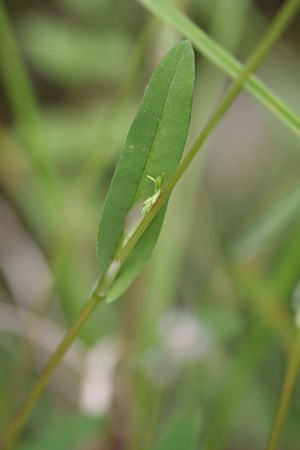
(96, 390)
(295, 302)
(183, 337)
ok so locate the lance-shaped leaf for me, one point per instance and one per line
(153, 147)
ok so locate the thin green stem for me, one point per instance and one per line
(222, 59)
(48, 371)
(286, 395)
(278, 26)
(280, 23)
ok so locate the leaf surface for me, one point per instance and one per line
(66, 435)
(182, 433)
(154, 146)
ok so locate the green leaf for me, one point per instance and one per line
(153, 147)
(181, 434)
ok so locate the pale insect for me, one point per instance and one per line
(140, 209)
(158, 183)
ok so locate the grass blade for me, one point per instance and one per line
(222, 59)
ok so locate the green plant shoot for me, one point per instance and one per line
(158, 183)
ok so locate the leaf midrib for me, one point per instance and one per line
(119, 244)
(156, 134)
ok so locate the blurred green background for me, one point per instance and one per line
(194, 354)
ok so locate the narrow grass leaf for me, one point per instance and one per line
(153, 148)
(222, 59)
(267, 228)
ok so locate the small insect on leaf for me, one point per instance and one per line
(158, 183)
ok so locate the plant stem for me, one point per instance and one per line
(277, 27)
(286, 394)
(48, 371)
(280, 23)
(222, 59)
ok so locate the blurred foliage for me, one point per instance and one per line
(67, 434)
(65, 53)
(206, 329)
